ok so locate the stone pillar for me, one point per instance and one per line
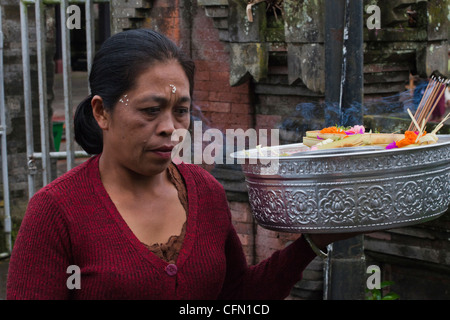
(345, 270)
(345, 267)
(343, 62)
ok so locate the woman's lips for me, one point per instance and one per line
(163, 151)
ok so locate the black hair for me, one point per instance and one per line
(116, 66)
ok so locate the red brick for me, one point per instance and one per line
(216, 65)
(240, 108)
(223, 96)
(222, 76)
(214, 96)
(222, 107)
(266, 233)
(202, 75)
(243, 88)
(219, 86)
(215, 45)
(201, 105)
(214, 86)
(267, 121)
(230, 118)
(202, 85)
(201, 65)
(242, 126)
(243, 227)
(246, 240)
(165, 4)
(219, 117)
(241, 98)
(206, 34)
(240, 211)
(201, 95)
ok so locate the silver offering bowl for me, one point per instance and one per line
(348, 189)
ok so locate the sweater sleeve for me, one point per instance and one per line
(272, 278)
(40, 257)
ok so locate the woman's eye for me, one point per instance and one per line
(182, 111)
(151, 110)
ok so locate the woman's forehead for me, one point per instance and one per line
(169, 74)
(160, 99)
(165, 69)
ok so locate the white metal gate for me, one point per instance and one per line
(45, 154)
(4, 151)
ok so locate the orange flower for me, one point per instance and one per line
(410, 138)
(332, 130)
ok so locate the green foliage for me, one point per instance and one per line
(377, 294)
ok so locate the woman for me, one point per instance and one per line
(133, 223)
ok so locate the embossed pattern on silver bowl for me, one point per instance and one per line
(348, 190)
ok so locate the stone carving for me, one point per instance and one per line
(344, 164)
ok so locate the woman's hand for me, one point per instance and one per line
(322, 240)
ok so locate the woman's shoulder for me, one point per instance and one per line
(80, 177)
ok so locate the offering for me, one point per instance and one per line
(339, 137)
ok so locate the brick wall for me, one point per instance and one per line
(224, 106)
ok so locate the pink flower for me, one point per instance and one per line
(320, 138)
(391, 145)
(355, 130)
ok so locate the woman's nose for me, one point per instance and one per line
(166, 124)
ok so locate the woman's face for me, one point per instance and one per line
(139, 129)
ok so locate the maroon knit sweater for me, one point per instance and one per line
(72, 221)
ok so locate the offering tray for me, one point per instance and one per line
(358, 189)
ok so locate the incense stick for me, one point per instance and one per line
(433, 93)
(420, 104)
(424, 107)
(442, 87)
(441, 124)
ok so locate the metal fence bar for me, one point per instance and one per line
(90, 40)
(68, 112)
(43, 109)
(62, 154)
(45, 154)
(4, 150)
(27, 95)
(59, 1)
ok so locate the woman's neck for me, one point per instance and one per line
(120, 179)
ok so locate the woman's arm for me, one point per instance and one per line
(40, 257)
(272, 278)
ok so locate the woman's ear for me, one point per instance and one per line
(99, 112)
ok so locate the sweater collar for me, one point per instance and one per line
(191, 227)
